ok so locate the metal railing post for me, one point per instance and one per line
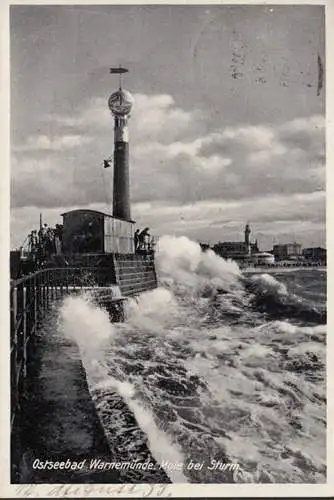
(13, 352)
(20, 337)
(42, 285)
(47, 289)
(26, 324)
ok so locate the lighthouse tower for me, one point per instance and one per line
(247, 239)
(120, 104)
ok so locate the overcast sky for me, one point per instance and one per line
(227, 126)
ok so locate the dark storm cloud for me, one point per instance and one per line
(226, 107)
(185, 165)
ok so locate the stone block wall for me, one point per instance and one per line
(135, 273)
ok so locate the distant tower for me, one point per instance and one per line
(256, 246)
(247, 239)
(247, 233)
(120, 104)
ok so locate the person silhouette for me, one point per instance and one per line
(144, 238)
(136, 239)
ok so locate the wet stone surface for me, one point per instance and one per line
(60, 421)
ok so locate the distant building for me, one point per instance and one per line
(237, 250)
(315, 254)
(287, 251)
(263, 259)
(205, 247)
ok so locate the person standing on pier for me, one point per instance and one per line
(136, 239)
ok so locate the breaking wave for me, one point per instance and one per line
(213, 366)
(273, 298)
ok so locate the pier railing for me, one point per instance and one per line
(30, 298)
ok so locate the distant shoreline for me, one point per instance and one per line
(278, 268)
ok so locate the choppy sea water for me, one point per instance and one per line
(215, 366)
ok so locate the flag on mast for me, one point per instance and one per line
(107, 162)
(119, 70)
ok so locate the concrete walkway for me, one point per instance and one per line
(60, 422)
